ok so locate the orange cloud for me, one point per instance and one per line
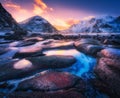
(41, 4)
(10, 5)
(72, 21)
(40, 7)
(37, 10)
(17, 11)
(61, 24)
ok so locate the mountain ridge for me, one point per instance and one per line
(106, 24)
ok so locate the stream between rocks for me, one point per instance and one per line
(82, 68)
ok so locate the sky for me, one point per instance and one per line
(61, 13)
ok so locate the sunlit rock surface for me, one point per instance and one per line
(28, 66)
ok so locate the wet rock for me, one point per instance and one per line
(9, 53)
(110, 53)
(2, 95)
(25, 43)
(3, 50)
(25, 67)
(54, 61)
(58, 45)
(113, 63)
(24, 55)
(87, 41)
(88, 46)
(112, 46)
(89, 49)
(38, 94)
(108, 76)
(112, 41)
(50, 81)
(34, 39)
(102, 87)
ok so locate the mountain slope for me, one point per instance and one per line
(37, 24)
(7, 22)
(106, 24)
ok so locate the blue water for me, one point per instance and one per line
(82, 68)
(83, 65)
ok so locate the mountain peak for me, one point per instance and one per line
(37, 24)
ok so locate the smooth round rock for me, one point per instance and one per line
(88, 46)
(38, 94)
(89, 49)
(87, 41)
(25, 67)
(110, 53)
(108, 76)
(113, 63)
(49, 81)
(53, 61)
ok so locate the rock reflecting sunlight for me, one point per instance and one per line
(22, 64)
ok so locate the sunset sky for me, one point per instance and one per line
(61, 13)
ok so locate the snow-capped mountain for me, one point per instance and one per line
(106, 24)
(37, 24)
(8, 23)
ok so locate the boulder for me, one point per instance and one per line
(25, 67)
(50, 81)
(110, 77)
(112, 41)
(54, 61)
(113, 63)
(88, 46)
(38, 94)
(112, 53)
(89, 49)
(3, 50)
(87, 41)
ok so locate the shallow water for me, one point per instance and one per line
(82, 68)
(83, 65)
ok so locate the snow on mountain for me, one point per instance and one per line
(106, 24)
(37, 24)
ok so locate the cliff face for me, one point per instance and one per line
(7, 22)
